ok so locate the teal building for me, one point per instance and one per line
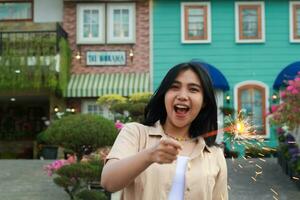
(255, 45)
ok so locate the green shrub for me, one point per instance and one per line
(76, 178)
(137, 111)
(91, 195)
(119, 108)
(110, 99)
(140, 97)
(80, 133)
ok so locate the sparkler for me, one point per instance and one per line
(238, 128)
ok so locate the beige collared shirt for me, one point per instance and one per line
(206, 175)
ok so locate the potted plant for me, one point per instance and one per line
(46, 150)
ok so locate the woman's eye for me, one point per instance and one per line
(174, 86)
(194, 89)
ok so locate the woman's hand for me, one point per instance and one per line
(165, 151)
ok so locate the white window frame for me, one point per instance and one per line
(219, 94)
(292, 22)
(132, 27)
(237, 25)
(267, 105)
(104, 111)
(97, 40)
(208, 17)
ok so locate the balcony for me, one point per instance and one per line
(33, 59)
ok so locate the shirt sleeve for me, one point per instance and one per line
(126, 143)
(220, 191)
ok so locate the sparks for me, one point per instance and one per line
(262, 159)
(258, 166)
(275, 198)
(261, 154)
(240, 128)
(274, 191)
(257, 173)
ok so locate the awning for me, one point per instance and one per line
(95, 85)
(288, 73)
(218, 79)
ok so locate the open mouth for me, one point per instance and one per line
(181, 109)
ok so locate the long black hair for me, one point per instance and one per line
(206, 120)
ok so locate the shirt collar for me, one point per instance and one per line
(157, 130)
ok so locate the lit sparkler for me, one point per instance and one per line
(239, 127)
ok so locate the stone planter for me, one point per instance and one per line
(49, 152)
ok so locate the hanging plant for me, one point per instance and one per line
(29, 62)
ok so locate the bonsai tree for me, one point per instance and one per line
(126, 109)
(76, 179)
(81, 133)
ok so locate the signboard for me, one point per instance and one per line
(106, 58)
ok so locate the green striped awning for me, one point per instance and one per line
(95, 85)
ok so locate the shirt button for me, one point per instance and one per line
(188, 189)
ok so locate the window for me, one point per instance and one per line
(195, 23)
(106, 23)
(251, 98)
(16, 11)
(90, 23)
(295, 21)
(121, 23)
(249, 22)
(91, 107)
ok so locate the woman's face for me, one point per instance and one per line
(184, 99)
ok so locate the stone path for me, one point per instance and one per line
(25, 180)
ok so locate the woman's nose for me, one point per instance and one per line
(182, 96)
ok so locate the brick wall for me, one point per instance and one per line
(140, 61)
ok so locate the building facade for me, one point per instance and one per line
(249, 42)
(110, 45)
(32, 41)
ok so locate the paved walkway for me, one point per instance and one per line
(25, 180)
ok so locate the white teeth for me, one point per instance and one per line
(181, 106)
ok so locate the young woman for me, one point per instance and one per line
(168, 157)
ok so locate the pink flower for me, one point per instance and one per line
(283, 94)
(72, 159)
(119, 125)
(295, 91)
(291, 82)
(290, 88)
(274, 108)
(54, 166)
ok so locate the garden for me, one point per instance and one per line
(86, 140)
(286, 116)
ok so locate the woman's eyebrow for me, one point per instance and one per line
(195, 84)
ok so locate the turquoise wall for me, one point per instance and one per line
(238, 62)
